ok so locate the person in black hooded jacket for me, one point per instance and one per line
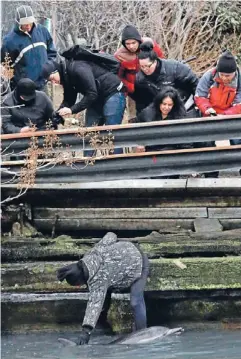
(25, 106)
(102, 90)
(156, 73)
(167, 105)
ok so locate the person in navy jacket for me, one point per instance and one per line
(29, 46)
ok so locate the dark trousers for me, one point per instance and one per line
(136, 298)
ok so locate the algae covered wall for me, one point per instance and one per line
(192, 236)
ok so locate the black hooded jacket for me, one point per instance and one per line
(130, 32)
(167, 73)
(150, 114)
(94, 82)
(39, 111)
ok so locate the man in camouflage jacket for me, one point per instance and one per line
(109, 265)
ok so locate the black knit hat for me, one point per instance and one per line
(227, 63)
(49, 68)
(130, 32)
(26, 89)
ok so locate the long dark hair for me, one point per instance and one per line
(146, 51)
(178, 110)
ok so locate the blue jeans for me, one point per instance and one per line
(111, 113)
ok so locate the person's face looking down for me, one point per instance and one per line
(132, 45)
(147, 66)
(226, 78)
(166, 106)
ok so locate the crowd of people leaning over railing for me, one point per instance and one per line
(162, 89)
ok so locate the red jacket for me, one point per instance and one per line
(130, 64)
(212, 93)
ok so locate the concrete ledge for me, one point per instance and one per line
(165, 274)
(65, 312)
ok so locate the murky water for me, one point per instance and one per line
(190, 345)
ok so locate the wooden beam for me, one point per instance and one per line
(63, 225)
(165, 274)
(232, 212)
(118, 213)
(75, 249)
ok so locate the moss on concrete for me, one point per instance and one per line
(67, 248)
(120, 316)
(200, 273)
(165, 274)
(190, 246)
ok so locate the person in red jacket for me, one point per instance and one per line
(219, 90)
(127, 55)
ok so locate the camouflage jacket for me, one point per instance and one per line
(110, 264)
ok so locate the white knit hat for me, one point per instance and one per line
(25, 15)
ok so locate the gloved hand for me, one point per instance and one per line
(73, 273)
(57, 119)
(84, 335)
(211, 112)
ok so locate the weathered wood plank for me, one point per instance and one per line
(77, 200)
(119, 213)
(165, 274)
(207, 225)
(214, 185)
(165, 225)
(118, 184)
(152, 238)
(233, 212)
(73, 251)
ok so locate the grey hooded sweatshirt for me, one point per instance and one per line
(111, 264)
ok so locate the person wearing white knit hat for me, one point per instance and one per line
(29, 46)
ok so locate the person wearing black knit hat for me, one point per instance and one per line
(25, 106)
(127, 55)
(219, 89)
(102, 90)
(227, 64)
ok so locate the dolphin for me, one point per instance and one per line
(143, 336)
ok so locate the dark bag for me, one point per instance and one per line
(107, 61)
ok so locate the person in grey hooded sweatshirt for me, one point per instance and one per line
(111, 264)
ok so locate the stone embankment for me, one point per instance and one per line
(190, 229)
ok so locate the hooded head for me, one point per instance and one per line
(24, 15)
(131, 39)
(26, 90)
(51, 71)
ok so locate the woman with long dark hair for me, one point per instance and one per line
(167, 105)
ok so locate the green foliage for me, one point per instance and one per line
(229, 14)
